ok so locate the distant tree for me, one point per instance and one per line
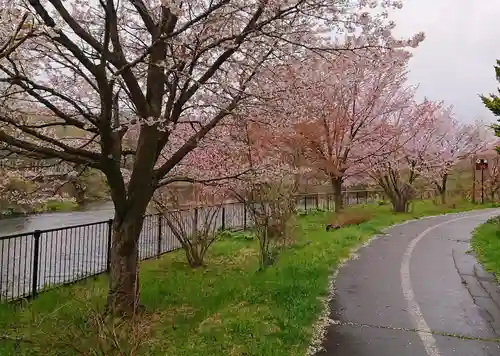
(397, 171)
(454, 141)
(492, 102)
(345, 103)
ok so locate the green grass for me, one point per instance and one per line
(227, 308)
(486, 245)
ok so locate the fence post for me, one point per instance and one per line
(244, 216)
(317, 201)
(195, 221)
(36, 253)
(223, 222)
(158, 251)
(110, 231)
(357, 197)
(328, 202)
(305, 203)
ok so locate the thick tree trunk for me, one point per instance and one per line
(336, 183)
(193, 256)
(442, 194)
(442, 188)
(130, 203)
(400, 205)
(123, 298)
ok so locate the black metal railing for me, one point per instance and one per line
(35, 261)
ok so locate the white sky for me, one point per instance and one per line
(455, 62)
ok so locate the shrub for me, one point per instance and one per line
(195, 229)
(349, 217)
(272, 207)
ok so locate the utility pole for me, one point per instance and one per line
(473, 180)
(482, 165)
(482, 186)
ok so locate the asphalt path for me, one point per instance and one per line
(417, 290)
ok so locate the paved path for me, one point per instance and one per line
(417, 291)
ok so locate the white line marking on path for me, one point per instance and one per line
(414, 309)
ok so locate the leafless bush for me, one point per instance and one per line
(194, 228)
(273, 210)
(117, 336)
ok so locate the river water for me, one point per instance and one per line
(92, 212)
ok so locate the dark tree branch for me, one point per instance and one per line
(30, 87)
(11, 45)
(145, 16)
(62, 38)
(49, 140)
(32, 150)
(171, 180)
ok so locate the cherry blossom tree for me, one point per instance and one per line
(103, 67)
(398, 168)
(268, 190)
(492, 181)
(257, 168)
(454, 142)
(339, 108)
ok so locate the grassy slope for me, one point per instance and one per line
(486, 244)
(226, 308)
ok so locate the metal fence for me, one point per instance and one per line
(35, 261)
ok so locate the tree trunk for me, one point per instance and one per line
(442, 189)
(193, 256)
(400, 205)
(336, 183)
(123, 297)
(131, 202)
(442, 194)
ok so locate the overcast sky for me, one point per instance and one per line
(455, 62)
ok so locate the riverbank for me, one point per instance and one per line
(45, 207)
(54, 206)
(226, 308)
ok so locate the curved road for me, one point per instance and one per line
(416, 290)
